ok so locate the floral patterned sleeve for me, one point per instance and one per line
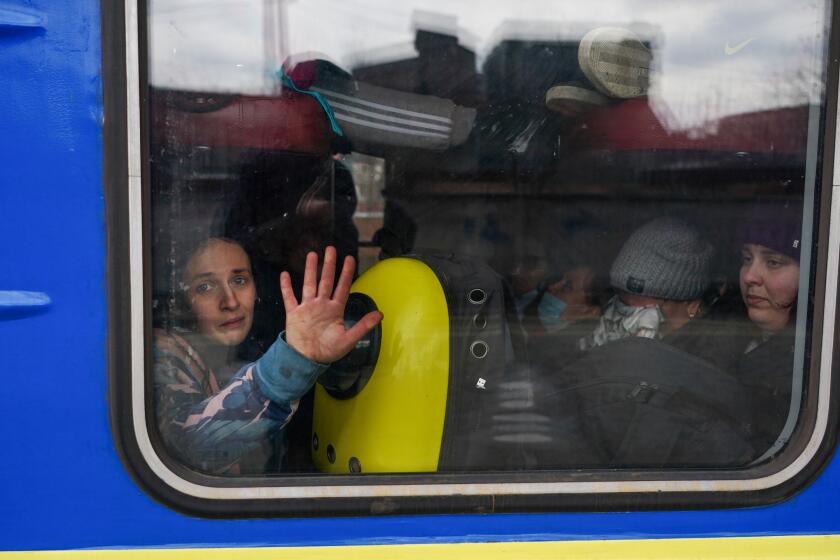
(210, 428)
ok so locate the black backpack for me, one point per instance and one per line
(641, 403)
(485, 338)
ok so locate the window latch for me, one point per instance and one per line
(20, 19)
(15, 304)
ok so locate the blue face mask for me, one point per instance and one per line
(550, 310)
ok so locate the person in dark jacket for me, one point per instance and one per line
(647, 391)
(661, 277)
(769, 279)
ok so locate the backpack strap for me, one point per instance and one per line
(664, 416)
(654, 431)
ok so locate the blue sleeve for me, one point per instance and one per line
(283, 374)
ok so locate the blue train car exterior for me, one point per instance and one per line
(67, 492)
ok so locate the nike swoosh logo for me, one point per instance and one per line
(729, 51)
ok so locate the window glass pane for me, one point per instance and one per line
(587, 227)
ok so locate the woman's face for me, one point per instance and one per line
(221, 292)
(769, 285)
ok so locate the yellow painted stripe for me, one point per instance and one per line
(805, 548)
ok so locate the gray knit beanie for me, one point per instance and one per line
(665, 258)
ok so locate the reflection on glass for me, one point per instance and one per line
(624, 184)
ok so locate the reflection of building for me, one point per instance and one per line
(481, 195)
(369, 181)
(517, 140)
(442, 67)
(520, 60)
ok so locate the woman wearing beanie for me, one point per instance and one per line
(639, 396)
(769, 279)
(661, 274)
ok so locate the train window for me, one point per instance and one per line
(580, 240)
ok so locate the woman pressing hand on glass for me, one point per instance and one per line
(220, 415)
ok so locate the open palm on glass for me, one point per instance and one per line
(315, 324)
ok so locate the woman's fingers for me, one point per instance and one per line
(289, 299)
(310, 277)
(327, 273)
(342, 290)
(355, 333)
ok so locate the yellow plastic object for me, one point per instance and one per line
(395, 423)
